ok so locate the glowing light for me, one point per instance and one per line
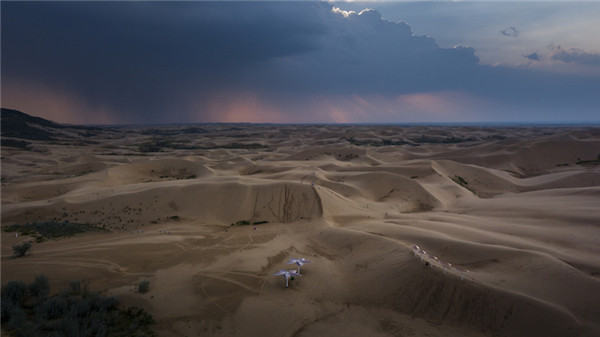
(346, 14)
(55, 104)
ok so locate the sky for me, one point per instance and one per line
(302, 62)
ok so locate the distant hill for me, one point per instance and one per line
(16, 124)
(20, 125)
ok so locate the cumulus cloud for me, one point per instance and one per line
(510, 32)
(342, 12)
(574, 55)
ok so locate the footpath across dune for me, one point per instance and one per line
(470, 232)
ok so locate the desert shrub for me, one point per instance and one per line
(83, 307)
(55, 307)
(241, 223)
(69, 326)
(462, 182)
(260, 222)
(15, 318)
(246, 146)
(14, 292)
(143, 286)
(50, 229)
(75, 288)
(589, 162)
(20, 249)
(148, 147)
(106, 303)
(139, 315)
(40, 287)
(7, 310)
(74, 312)
(13, 296)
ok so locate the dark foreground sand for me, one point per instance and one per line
(506, 220)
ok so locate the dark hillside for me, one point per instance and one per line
(16, 124)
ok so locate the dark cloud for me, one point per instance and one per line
(566, 55)
(574, 55)
(532, 56)
(190, 61)
(128, 54)
(510, 31)
(363, 53)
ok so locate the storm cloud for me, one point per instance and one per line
(574, 55)
(159, 62)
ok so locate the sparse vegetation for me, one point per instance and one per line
(20, 249)
(462, 182)
(589, 162)
(51, 229)
(143, 286)
(40, 288)
(191, 176)
(378, 142)
(442, 140)
(241, 223)
(148, 147)
(75, 311)
(159, 144)
(245, 146)
(246, 223)
(82, 173)
(174, 217)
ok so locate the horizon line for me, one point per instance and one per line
(493, 123)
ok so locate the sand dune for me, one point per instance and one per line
(155, 170)
(506, 221)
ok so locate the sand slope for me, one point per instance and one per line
(506, 221)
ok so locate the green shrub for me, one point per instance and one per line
(589, 162)
(241, 223)
(20, 249)
(143, 286)
(460, 180)
(14, 292)
(75, 288)
(55, 307)
(74, 312)
(40, 287)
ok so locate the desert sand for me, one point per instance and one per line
(506, 220)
